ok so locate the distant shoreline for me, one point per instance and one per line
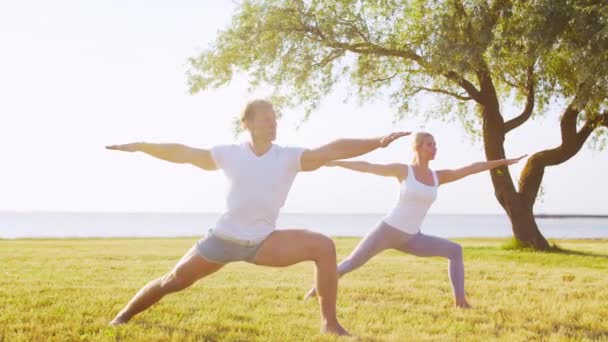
(59, 212)
(559, 216)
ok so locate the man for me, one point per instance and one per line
(260, 174)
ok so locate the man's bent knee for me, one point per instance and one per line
(324, 248)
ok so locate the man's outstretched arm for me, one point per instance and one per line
(344, 149)
(175, 153)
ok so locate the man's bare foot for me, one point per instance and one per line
(310, 294)
(462, 303)
(118, 320)
(334, 329)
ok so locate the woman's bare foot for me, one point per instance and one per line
(334, 329)
(312, 293)
(462, 303)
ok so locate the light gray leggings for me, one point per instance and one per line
(385, 237)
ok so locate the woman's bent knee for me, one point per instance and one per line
(456, 252)
(346, 266)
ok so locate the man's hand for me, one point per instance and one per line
(132, 147)
(387, 140)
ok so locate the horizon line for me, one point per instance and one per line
(539, 215)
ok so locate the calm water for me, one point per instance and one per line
(59, 225)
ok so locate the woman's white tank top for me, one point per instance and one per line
(415, 199)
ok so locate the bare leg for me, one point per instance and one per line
(187, 271)
(381, 238)
(287, 247)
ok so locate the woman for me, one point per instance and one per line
(400, 229)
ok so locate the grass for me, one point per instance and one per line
(68, 290)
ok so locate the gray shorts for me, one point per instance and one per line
(222, 251)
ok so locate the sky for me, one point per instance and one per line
(77, 76)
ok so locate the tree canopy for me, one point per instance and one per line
(476, 56)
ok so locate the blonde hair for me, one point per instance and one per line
(417, 141)
(252, 107)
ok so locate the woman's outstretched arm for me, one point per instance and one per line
(447, 176)
(398, 171)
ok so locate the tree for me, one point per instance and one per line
(473, 54)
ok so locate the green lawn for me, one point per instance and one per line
(58, 290)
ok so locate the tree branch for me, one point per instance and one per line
(350, 24)
(507, 81)
(466, 85)
(572, 142)
(602, 119)
(527, 112)
(484, 74)
(446, 92)
(333, 55)
(382, 79)
(368, 48)
(591, 124)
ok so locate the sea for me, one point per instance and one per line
(16, 225)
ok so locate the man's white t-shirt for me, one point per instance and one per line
(258, 187)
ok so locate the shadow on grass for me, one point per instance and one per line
(577, 332)
(219, 331)
(515, 245)
(559, 250)
(597, 335)
(215, 334)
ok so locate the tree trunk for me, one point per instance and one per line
(521, 215)
(524, 225)
(519, 210)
